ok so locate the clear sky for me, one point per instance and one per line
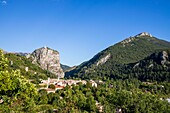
(79, 29)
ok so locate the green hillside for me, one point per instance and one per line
(155, 67)
(118, 56)
(21, 63)
(65, 67)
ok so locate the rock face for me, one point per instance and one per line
(128, 40)
(47, 59)
(103, 60)
(164, 58)
(144, 34)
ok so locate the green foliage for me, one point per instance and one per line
(16, 92)
(51, 86)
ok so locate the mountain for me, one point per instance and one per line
(47, 59)
(65, 67)
(114, 60)
(22, 54)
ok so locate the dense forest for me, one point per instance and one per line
(152, 68)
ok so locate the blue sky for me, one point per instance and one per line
(79, 29)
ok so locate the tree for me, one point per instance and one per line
(52, 86)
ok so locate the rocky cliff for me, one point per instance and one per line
(47, 59)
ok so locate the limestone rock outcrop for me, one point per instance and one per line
(103, 60)
(47, 59)
(144, 34)
(164, 58)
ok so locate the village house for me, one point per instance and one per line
(57, 87)
(93, 83)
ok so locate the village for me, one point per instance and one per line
(60, 84)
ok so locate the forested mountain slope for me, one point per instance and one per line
(112, 61)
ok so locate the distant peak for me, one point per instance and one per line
(130, 39)
(144, 34)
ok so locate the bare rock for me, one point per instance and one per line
(164, 58)
(103, 60)
(144, 34)
(48, 59)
